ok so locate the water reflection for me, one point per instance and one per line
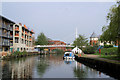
(69, 61)
(18, 68)
(42, 65)
(47, 66)
(82, 71)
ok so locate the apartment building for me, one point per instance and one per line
(22, 38)
(6, 35)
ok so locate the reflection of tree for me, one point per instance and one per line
(42, 66)
(79, 72)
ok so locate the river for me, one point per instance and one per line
(47, 66)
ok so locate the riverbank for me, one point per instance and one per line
(107, 66)
(20, 55)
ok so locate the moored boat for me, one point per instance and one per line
(68, 55)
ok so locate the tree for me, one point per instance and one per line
(80, 41)
(112, 31)
(41, 39)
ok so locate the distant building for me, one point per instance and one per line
(93, 39)
(56, 42)
(22, 38)
(6, 35)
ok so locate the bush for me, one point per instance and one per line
(89, 50)
(108, 46)
(19, 53)
(58, 51)
(16, 52)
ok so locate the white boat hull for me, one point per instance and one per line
(69, 57)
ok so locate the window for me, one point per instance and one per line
(16, 40)
(0, 48)
(6, 49)
(0, 31)
(0, 40)
(22, 41)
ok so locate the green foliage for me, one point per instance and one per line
(80, 41)
(19, 53)
(89, 50)
(42, 66)
(41, 39)
(112, 50)
(112, 31)
(58, 51)
(108, 46)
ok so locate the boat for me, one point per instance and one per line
(68, 55)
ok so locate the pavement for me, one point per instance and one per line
(102, 59)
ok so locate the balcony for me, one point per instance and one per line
(5, 44)
(26, 33)
(11, 44)
(16, 35)
(22, 31)
(30, 34)
(30, 39)
(17, 29)
(11, 29)
(6, 26)
(22, 36)
(0, 43)
(11, 36)
(5, 35)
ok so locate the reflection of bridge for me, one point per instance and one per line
(49, 46)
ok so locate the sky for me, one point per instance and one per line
(59, 20)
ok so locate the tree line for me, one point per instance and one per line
(111, 32)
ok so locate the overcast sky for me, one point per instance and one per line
(58, 20)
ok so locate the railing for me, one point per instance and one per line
(54, 46)
(30, 34)
(11, 36)
(30, 39)
(6, 26)
(11, 29)
(11, 44)
(22, 31)
(25, 32)
(0, 25)
(6, 44)
(0, 42)
(16, 34)
(17, 29)
(5, 35)
(22, 36)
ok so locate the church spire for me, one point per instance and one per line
(76, 33)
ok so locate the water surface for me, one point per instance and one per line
(48, 66)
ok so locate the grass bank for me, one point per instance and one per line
(109, 53)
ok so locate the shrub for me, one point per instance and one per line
(89, 50)
(108, 46)
(17, 52)
(58, 51)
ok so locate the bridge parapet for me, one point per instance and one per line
(53, 46)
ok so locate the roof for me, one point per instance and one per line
(76, 49)
(94, 35)
(4, 18)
